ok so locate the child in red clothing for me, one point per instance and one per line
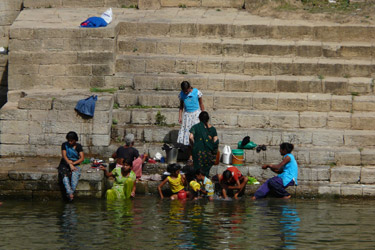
(231, 180)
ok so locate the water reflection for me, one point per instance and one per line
(69, 226)
(286, 221)
(148, 223)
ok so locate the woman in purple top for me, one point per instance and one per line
(191, 105)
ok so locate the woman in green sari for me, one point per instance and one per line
(124, 185)
(203, 138)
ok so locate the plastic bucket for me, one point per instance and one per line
(237, 157)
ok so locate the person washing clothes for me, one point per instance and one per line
(287, 176)
(124, 186)
(191, 105)
(129, 152)
(232, 183)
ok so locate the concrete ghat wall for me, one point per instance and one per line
(37, 125)
(38, 182)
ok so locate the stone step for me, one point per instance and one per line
(243, 83)
(237, 24)
(252, 101)
(252, 118)
(256, 65)
(243, 47)
(312, 146)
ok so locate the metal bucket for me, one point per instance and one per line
(171, 155)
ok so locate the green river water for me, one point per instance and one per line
(149, 223)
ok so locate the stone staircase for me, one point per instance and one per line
(308, 84)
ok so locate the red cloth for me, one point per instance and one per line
(235, 173)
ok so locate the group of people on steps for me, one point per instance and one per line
(202, 141)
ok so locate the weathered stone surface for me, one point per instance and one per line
(368, 175)
(149, 4)
(352, 157)
(346, 174)
(24, 175)
(351, 190)
(44, 103)
(328, 138)
(339, 120)
(330, 189)
(313, 120)
(367, 156)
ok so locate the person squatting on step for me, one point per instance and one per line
(191, 105)
(231, 180)
(129, 152)
(68, 169)
(287, 171)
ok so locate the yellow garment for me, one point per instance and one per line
(175, 184)
(195, 186)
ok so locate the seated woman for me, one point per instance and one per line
(203, 138)
(69, 170)
(231, 180)
(124, 185)
(287, 171)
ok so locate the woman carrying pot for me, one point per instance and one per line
(204, 140)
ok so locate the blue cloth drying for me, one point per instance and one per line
(87, 106)
(94, 22)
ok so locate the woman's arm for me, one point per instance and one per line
(278, 168)
(180, 111)
(201, 105)
(81, 158)
(106, 173)
(160, 186)
(191, 138)
(65, 157)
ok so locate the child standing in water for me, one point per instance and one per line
(287, 171)
(177, 182)
(69, 170)
(125, 184)
(191, 105)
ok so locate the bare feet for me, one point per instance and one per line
(71, 197)
(253, 198)
(286, 197)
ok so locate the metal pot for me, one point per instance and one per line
(171, 155)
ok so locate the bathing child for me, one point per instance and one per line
(176, 182)
(204, 187)
(191, 104)
(125, 180)
(287, 171)
(69, 170)
(232, 182)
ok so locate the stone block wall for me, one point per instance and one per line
(60, 58)
(34, 4)
(38, 124)
(9, 10)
